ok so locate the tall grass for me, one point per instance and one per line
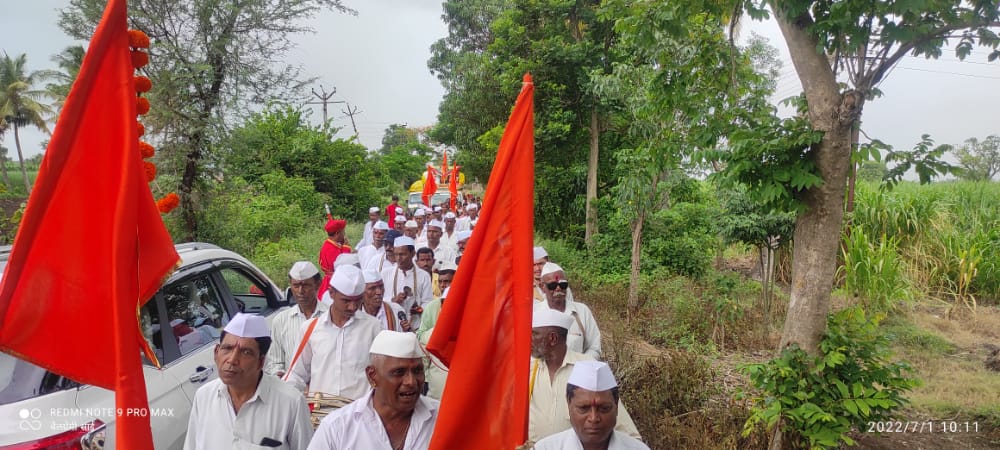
(946, 235)
(873, 270)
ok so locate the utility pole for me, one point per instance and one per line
(324, 99)
(351, 112)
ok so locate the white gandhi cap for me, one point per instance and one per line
(373, 210)
(346, 259)
(420, 213)
(303, 270)
(449, 215)
(400, 218)
(550, 267)
(410, 224)
(403, 240)
(592, 375)
(248, 326)
(397, 345)
(381, 225)
(348, 281)
(436, 223)
(538, 253)
(371, 276)
(545, 317)
(463, 235)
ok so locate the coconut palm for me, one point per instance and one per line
(20, 104)
(69, 61)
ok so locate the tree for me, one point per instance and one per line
(3, 164)
(210, 60)
(865, 40)
(979, 160)
(20, 102)
(69, 61)
(404, 155)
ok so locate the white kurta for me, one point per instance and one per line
(450, 240)
(367, 236)
(396, 311)
(395, 279)
(372, 258)
(567, 440)
(286, 332)
(586, 340)
(276, 411)
(358, 427)
(548, 412)
(334, 359)
(444, 253)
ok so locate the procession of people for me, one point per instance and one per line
(356, 330)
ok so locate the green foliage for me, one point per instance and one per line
(979, 160)
(873, 269)
(924, 159)
(871, 171)
(850, 383)
(750, 223)
(278, 140)
(403, 155)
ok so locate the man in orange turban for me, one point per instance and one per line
(335, 244)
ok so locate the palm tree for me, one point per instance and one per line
(69, 61)
(19, 102)
(3, 157)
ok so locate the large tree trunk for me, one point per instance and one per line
(595, 138)
(818, 230)
(20, 159)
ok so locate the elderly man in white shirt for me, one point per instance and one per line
(551, 365)
(389, 314)
(372, 257)
(593, 397)
(392, 415)
(406, 284)
(373, 218)
(442, 252)
(420, 216)
(469, 220)
(332, 356)
(303, 280)
(245, 408)
(584, 335)
(449, 236)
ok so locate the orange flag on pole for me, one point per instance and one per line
(484, 331)
(92, 246)
(453, 186)
(430, 187)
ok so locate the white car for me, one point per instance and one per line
(42, 410)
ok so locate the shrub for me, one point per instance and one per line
(819, 399)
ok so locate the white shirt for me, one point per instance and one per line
(568, 440)
(276, 411)
(586, 340)
(286, 332)
(548, 412)
(396, 311)
(372, 258)
(395, 279)
(334, 358)
(366, 236)
(358, 427)
(463, 223)
(452, 240)
(444, 253)
(421, 240)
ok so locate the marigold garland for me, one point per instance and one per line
(143, 84)
(139, 59)
(168, 203)
(140, 128)
(150, 170)
(146, 150)
(138, 39)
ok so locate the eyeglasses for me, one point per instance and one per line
(561, 284)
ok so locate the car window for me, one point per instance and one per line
(249, 295)
(21, 380)
(149, 323)
(195, 313)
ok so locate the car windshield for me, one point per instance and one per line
(437, 199)
(19, 380)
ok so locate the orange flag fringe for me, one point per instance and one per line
(92, 246)
(430, 187)
(484, 331)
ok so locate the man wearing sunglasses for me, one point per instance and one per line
(584, 336)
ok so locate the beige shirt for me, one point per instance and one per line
(334, 358)
(548, 412)
(286, 332)
(276, 411)
(568, 440)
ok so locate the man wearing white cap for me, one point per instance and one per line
(540, 257)
(438, 212)
(372, 256)
(584, 335)
(373, 218)
(442, 252)
(461, 239)
(303, 281)
(405, 284)
(245, 408)
(390, 315)
(410, 229)
(392, 415)
(399, 222)
(420, 217)
(331, 356)
(593, 396)
(449, 236)
(551, 365)
(469, 220)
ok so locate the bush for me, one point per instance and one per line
(819, 399)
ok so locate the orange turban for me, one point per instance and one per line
(335, 225)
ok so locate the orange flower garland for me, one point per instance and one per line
(146, 150)
(168, 203)
(137, 39)
(139, 59)
(150, 170)
(140, 128)
(142, 84)
(141, 105)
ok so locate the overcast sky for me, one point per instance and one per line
(378, 62)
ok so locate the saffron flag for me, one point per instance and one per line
(453, 186)
(430, 187)
(91, 247)
(484, 331)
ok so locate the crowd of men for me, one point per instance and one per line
(357, 331)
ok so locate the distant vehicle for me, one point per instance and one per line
(182, 322)
(415, 199)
